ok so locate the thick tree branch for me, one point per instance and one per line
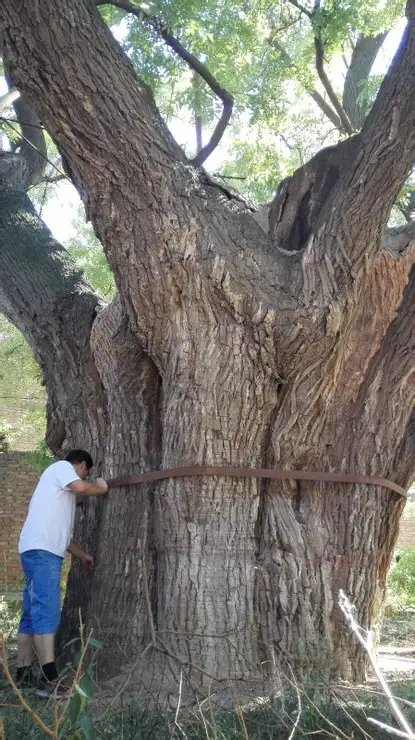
(44, 296)
(363, 56)
(354, 329)
(37, 153)
(395, 107)
(300, 199)
(368, 185)
(384, 292)
(32, 146)
(314, 94)
(14, 170)
(349, 117)
(8, 98)
(405, 456)
(194, 64)
(23, 167)
(328, 86)
(385, 403)
(398, 239)
(199, 133)
(326, 109)
(300, 7)
(319, 49)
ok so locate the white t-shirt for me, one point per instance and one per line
(51, 513)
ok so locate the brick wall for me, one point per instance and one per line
(17, 482)
(406, 536)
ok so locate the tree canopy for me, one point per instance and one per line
(265, 57)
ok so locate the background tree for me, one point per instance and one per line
(294, 347)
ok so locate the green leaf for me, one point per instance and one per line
(71, 642)
(87, 727)
(74, 708)
(81, 691)
(87, 686)
(95, 643)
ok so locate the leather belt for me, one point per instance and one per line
(236, 472)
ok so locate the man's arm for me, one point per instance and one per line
(82, 488)
(76, 552)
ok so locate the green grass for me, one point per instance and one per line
(336, 716)
(9, 621)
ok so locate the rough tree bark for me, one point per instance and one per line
(227, 345)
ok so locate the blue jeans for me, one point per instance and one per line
(41, 611)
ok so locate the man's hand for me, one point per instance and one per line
(88, 561)
(85, 489)
(76, 552)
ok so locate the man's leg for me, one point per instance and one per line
(45, 649)
(24, 637)
(24, 650)
(46, 610)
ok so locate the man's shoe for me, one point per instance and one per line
(51, 689)
(25, 678)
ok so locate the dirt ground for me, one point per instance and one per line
(397, 651)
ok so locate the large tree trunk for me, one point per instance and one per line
(228, 347)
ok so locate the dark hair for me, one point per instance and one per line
(79, 456)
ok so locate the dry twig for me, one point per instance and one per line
(5, 667)
(365, 639)
(58, 718)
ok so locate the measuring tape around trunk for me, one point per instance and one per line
(237, 472)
